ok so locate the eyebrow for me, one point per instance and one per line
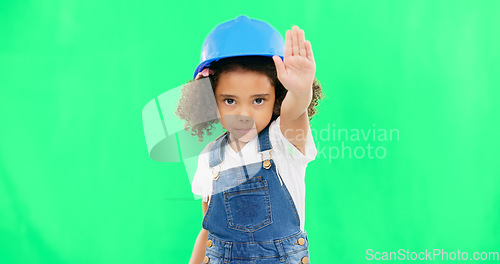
(234, 96)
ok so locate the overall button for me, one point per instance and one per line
(266, 164)
(304, 260)
(209, 243)
(206, 259)
(301, 241)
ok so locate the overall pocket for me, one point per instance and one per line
(248, 205)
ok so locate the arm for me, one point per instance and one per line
(201, 241)
(296, 73)
(294, 129)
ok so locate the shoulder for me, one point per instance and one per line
(204, 155)
(201, 179)
(219, 136)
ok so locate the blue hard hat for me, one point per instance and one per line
(242, 36)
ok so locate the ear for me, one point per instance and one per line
(280, 66)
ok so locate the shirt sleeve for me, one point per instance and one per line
(201, 183)
(288, 148)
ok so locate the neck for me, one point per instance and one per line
(235, 144)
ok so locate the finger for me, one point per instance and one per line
(302, 47)
(280, 66)
(288, 43)
(309, 50)
(295, 41)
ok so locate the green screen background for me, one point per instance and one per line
(77, 184)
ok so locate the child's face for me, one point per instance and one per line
(245, 101)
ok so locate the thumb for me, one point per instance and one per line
(280, 66)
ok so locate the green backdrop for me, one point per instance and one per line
(77, 184)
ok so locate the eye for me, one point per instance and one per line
(259, 101)
(229, 101)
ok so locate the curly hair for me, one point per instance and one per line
(191, 109)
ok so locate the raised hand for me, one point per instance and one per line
(296, 72)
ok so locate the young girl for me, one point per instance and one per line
(251, 178)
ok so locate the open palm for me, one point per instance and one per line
(296, 71)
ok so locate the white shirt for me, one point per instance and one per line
(290, 164)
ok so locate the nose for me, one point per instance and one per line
(244, 116)
(243, 113)
(244, 119)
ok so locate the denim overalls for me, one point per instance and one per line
(252, 218)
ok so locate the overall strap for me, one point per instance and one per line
(217, 150)
(264, 142)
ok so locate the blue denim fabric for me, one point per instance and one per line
(252, 217)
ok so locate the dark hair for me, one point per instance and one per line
(190, 105)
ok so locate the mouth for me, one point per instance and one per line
(243, 131)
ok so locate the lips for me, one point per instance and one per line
(243, 131)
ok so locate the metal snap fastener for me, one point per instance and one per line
(209, 243)
(301, 241)
(266, 164)
(206, 259)
(305, 260)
